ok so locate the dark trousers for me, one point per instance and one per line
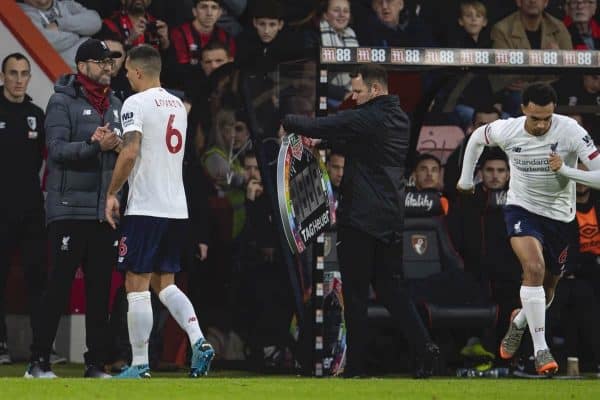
(93, 245)
(28, 234)
(364, 260)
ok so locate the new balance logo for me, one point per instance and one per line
(516, 149)
(192, 319)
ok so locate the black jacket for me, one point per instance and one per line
(21, 156)
(79, 172)
(256, 57)
(372, 189)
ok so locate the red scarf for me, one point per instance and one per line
(95, 93)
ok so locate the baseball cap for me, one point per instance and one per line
(94, 49)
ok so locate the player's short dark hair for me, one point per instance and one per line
(539, 93)
(215, 45)
(492, 154)
(426, 156)
(486, 109)
(334, 152)
(16, 56)
(371, 73)
(146, 57)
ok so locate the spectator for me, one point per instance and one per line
(469, 89)
(135, 25)
(269, 305)
(262, 48)
(481, 116)
(214, 54)
(191, 37)
(65, 24)
(335, 32)
(335, 169)
(232, 10)
(581, 90)
(528, 28)
(472, 20)
(393, 25)
(222, 159)
(217, 66)
(226, 197)
(22, 141)
(82, 118)
(584, 29)
(428, 169)
(427, 176)
(118, 81)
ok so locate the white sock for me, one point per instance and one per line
(182, 311)
(139, 325)
(521, 320)
(533, 299)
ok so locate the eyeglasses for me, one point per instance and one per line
(581, 3)
(109, 62)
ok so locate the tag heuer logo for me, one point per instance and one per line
(419, 243)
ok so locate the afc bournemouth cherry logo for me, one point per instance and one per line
(419, 243)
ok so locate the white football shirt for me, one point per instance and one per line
(533, 185)
(156, 181)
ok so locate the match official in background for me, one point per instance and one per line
(22, 204)
(371, 211)
(83, 126)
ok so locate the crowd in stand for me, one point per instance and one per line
(236, 275)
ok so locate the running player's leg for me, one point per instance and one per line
(529, 251)
(178, 304)
(550, 281)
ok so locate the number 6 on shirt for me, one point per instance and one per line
(172, 132)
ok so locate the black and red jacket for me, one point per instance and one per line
(577, 40)
(121, 24)
(188, 42)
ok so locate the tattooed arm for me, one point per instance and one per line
(125, 162)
